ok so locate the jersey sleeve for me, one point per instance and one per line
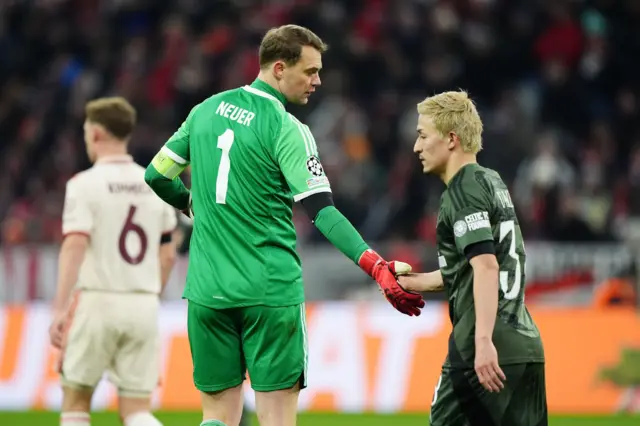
(77, 215)
(169, 219)
(174, 156)
(469, 212)
(297, 155)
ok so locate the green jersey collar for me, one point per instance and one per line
(261, 88)
(459, 172)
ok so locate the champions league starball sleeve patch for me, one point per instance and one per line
(314, 166)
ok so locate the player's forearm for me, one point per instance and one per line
(429, 281)
(485, 296)
(166, 266)
(341, 233)
(167, 260)
(70, 259)
(172, 191)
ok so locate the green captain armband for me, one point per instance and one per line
(167, 164)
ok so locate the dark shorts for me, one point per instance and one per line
(460, 400)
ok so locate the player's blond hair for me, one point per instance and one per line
(115, 114)
(455, 112)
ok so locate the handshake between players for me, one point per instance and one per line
(386, 273)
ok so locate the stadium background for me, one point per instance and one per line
(556, 83)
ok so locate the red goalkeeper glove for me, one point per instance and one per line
(409, 303)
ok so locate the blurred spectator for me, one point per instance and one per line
(570, 66)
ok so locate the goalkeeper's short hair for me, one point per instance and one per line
(286, 42)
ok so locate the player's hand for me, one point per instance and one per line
(489, 372)
(188, 212)
(384, 273)
(409, 281)
(56, 330)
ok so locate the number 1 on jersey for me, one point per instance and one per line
(225, 141)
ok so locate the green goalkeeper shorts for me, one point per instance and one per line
(268, 342)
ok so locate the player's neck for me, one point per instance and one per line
(116, 149)
(456, 162)
(268, 78)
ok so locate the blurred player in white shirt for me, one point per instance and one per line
(115, 259)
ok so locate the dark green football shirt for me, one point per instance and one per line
(477, 207)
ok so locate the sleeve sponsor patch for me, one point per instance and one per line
(471, 222)
(317, 181)
(478, 220)
(314, 166)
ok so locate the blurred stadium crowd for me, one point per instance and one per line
(556, 83)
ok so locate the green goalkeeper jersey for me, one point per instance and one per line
(477, 207)
(250, 160)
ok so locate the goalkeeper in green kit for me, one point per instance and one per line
(250, 160)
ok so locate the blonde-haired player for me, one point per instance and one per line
(114, 261)
(453, 111)
(494, 371)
